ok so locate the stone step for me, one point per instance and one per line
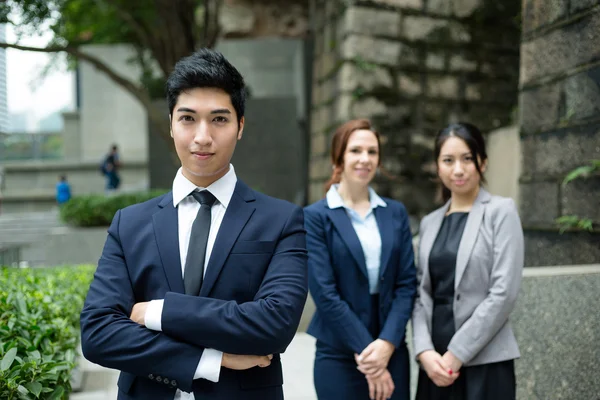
(28, 231)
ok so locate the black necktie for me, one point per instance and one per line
(194, 264)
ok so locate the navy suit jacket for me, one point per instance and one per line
(338, 280)
(250, 302)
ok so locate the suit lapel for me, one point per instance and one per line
(166, 232)
(470, 234)
(237, 214)
(384, 218)
(427, 238)
(343, 225)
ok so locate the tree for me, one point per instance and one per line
(160, 31)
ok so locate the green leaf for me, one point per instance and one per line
(8, 359)
(70, 355)
(35, 388)
(21, 305)
(57, 394)
(586, 224)
(573, 221)
(35, 355)
(582, 172)
(22, 390)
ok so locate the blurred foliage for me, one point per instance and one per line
(582, 172)
(567, 222)
(39, 330)
(99, 210)
(574, 222)
(25, 146)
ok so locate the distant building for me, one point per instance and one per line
(51, 123)
(19, 122)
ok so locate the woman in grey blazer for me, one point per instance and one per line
(470, 265)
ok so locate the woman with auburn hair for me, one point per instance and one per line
(361, 275)
(470, 267)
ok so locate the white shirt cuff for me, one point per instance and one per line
(153, 316)
(209, 366)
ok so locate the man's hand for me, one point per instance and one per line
(437, 369)
(381, 387)
(375, 357)
(243, 362)
(138, 313)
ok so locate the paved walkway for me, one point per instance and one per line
(100, 383)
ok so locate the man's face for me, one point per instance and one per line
(205, 130)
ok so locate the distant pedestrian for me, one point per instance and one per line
(110, 168)
(63, 190)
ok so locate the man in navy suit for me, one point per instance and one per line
(198, 291)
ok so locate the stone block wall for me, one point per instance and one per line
(560, 127)
(411, 66)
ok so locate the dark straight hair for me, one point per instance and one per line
(207, 68)
(472, 136)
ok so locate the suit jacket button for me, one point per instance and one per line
(150, 376)
(158, 379)
(173, 383)
(166, 381)
(458, 297)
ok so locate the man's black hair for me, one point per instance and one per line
(206, 68)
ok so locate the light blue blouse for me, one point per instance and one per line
(367, 231)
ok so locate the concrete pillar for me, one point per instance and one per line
(71, 136)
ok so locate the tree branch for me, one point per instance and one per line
(143, 31)
(139, 93)
(126, 17)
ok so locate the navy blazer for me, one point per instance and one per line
(250, 302)
(338, 280)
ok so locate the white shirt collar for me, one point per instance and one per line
(222, 188)
(334, 200)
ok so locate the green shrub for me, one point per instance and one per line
(99, 210)
(39, 330)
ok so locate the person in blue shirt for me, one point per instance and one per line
(63, 190)
(361, 276)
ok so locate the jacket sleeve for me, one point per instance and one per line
(420, 325)
(394, 328)
(323, 288)
(507, 271)
(263, 326)
(111, 339)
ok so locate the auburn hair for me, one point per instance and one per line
(339, 142)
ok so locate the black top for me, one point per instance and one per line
(494, 381)
(442, 268)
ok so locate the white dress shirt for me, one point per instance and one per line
(209, 366)
(367, 231)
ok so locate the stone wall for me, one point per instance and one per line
(260, 18)
(411, 66)
(560, 127)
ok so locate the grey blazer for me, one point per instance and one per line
(489, 268)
